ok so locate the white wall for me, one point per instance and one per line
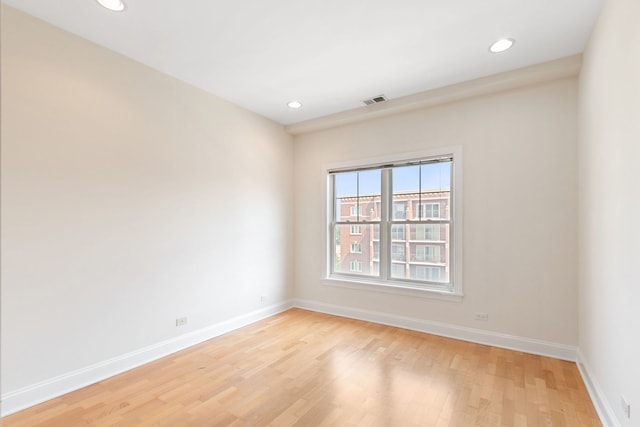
(609, 233)
(128, 199)
(520, 208)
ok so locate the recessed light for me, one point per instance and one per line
(294, 104)
(114, 5)
(501, 45)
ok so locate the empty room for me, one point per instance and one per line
(320, 213)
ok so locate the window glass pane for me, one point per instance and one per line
(428, 256)
(435, 191)
(406, 183)
(427, 253)
(346, 190)
(421, 192)
(427, 232)
(399, 209)
(355, 254)
(370, 186)
(398, 270)
(376, 267)
(358, 196)
(428, 273)
(397, 253)
(429, 210)
(398, 232)
(376, 250)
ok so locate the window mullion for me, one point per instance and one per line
(332, 224)
(385, 225)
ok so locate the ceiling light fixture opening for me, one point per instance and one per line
(501, 45)
(114, 5)
(294, 104)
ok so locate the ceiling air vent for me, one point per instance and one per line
(375, 100)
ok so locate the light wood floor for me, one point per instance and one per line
(301, 368)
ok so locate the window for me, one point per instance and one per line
(397, 232)
(429, 210)
(376, 267)
(425, 273)
(376, 233)
(411, 219)
(399, 210)
(427, 253)
(397, 270)
(425, 232)
(397, 253)
(355, 266)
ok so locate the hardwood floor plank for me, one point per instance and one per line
(301, 368)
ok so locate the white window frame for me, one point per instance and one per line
(355, 266)
(356, 248)
(355, 210)
(452, 291)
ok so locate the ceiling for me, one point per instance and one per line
(328, 54)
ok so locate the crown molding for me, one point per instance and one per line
(535, 74)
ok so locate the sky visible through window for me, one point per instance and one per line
(428, 177)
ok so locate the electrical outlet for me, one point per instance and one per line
(626, 407)
(483, 317)
(181, 321)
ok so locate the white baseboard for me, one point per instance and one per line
(527, 345)
(600, 401)
(37, 393)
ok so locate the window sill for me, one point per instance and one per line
(396, 288)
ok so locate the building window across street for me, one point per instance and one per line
(356, 230)
(396, 224)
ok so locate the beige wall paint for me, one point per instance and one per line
(520, 208)
(610, 207)
(128, 199)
